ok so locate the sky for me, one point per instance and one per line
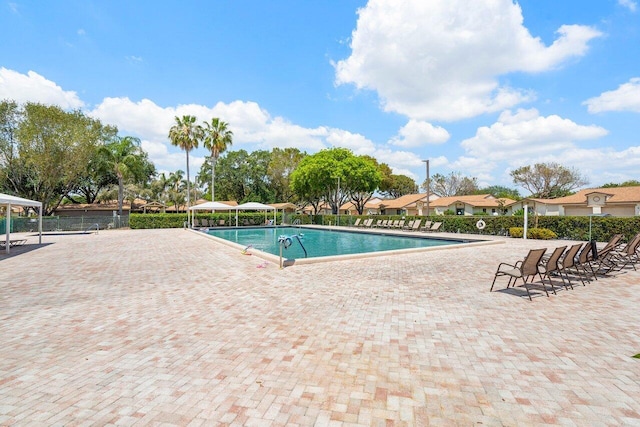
(478, 88)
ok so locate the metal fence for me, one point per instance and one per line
(67, 223)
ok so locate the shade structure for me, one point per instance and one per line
(8, 201)
(255, 206)
(210, 206)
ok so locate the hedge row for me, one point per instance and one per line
(565, 227)
(140, 221)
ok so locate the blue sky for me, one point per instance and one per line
(478, 87)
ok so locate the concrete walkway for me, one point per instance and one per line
(165, 327)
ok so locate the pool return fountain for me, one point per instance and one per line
(286, 241)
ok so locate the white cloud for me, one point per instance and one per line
(253, 127)
(625, 98)
(629, 4)
(441, 59)
(417, 133)
(35, 88)
(524, 136)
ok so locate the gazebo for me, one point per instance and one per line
(254, 206)
(8, 201)
(209, 206)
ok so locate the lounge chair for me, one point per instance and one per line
(415, 226)
(523, 269)
(393, 224)
(602, 258)
(627, 255)
(399, 224)
(427, 226)
(583, 261)
(12, 242)
(384, 223)
(196, 223)
(378, 223)
(568, 263)
(357, 223)
(408, 226)
(552, 265)
(221, 223)
(434, 227)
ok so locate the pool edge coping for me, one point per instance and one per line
(333, 258)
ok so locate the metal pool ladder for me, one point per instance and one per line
(286, 241)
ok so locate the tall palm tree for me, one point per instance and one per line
(126, 160)
(217, 138)
(186, 134)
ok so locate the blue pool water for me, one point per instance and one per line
(320, 243)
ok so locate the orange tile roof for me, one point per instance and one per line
(402, 201)
(477, 200)
(614, 195)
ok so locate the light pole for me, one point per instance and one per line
(428, 186)
(338, 202)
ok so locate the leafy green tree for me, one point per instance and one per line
(186, 134)
(500, 192)
(454, 184)
(386, 181)
(335, 175)
(362, 178)
(94, 181)
(548, 180)
(401, 185)
(217, 138)
(282, 162)
(243, 177)
(45, 150)
(158, 189)
(629, 183)
(127, 161)
(177, 185)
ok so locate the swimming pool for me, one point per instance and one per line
(322, 242)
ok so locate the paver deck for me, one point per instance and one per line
(164, 327)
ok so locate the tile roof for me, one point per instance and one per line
(403, 201)
(614, 195)
(477, 200)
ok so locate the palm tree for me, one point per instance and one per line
(186, 134)
(126, 160)
(217, 138)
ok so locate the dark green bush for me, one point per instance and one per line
(565, 227)
(138, 221)
(533, 233)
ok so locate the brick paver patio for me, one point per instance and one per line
(165, 327)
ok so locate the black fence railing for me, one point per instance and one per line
(66, 223)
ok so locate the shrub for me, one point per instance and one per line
(533, 233)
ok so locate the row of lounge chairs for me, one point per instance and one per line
(398, 224)
(197, 223)
(12, 243)
(204, 223)
(582, 261)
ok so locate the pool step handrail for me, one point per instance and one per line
(286, 241)
(301, 245)
(96, 226)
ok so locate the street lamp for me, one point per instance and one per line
(338, 202)
(428, 185)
